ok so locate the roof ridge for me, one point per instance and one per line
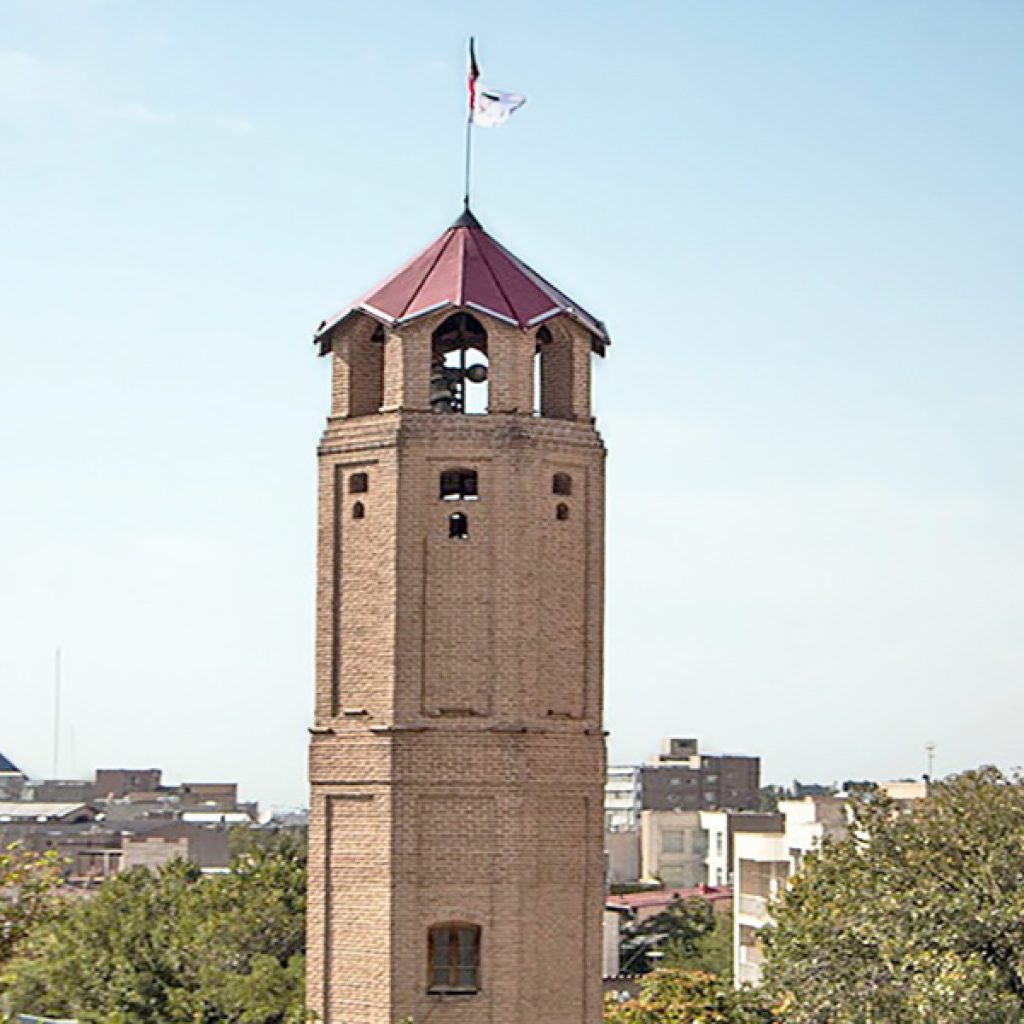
(441, 250)
(497, 282)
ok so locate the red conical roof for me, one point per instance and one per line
(465, 267)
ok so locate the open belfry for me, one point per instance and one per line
(456, 868)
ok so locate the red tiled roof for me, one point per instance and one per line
(663, 897)
(467, 268)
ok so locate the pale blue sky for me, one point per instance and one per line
(802, 221)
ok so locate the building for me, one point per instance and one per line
(763, 864)
(112, 783)
(682, 778)
(622, 856)
(721, 828)
(12, 780)
(673, 848)
(622, 798)
(457, 756)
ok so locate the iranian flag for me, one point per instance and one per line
(488, 107)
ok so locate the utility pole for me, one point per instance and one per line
(930, 751)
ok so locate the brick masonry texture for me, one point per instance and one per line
(457, 758)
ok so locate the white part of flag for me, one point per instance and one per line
(493, 108)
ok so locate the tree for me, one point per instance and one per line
(915, 916)
(28, 894)
(173, 945)
(674, 935)
(674, 996)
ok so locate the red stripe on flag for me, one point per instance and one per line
(474, 74)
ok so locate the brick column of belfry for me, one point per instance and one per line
(457, 758)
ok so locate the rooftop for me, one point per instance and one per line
(466, 268)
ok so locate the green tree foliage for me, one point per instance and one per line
(28, 883)
(915, 917)
(687, 934)
(175, 946)
(675, 996)
(674, 936)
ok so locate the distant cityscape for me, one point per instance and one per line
(124, 818)
(685, 824)
(692, 825)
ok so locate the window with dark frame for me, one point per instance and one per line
(458, 526)
(453, 959)
(358, 483)
(358, 510)
(459, 485)
(562, 511)
(561, 483)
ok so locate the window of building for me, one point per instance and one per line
(358, 483)
(561, 483)
(459, 485)
(358, 510)
(562, 511)
(458, 526)
(454, 958)
(719, 843)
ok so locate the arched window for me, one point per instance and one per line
(561, 483)
(459, 485)
(553, 378)
(458, 365)
(453, 958)
(562, 511)
(458, 526)
(358, 510)
(358, 483)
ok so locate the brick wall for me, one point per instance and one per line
(457, 760)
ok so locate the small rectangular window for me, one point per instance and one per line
(454, 959)
(459, 485)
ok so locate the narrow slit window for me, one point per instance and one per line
(358, 510)
(458, 526)
(561, 483)
(454, 959)
(459, 485)
(562, 511)
(358, 483)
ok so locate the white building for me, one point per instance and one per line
(622, 798)
(721, 828)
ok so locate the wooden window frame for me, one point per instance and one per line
(462, 960)
(460, 483)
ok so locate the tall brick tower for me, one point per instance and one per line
(457, 756)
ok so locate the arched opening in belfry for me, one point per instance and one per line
(365, 356)
(553, 374)
(458, 366)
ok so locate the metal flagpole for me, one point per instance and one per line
(469, 154)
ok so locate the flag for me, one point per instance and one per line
(488, 107)
(474, 74)
(493, 108)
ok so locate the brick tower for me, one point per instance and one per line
(457, 756)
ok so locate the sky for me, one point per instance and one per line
(803, 223)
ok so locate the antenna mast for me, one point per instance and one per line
(56, 712)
